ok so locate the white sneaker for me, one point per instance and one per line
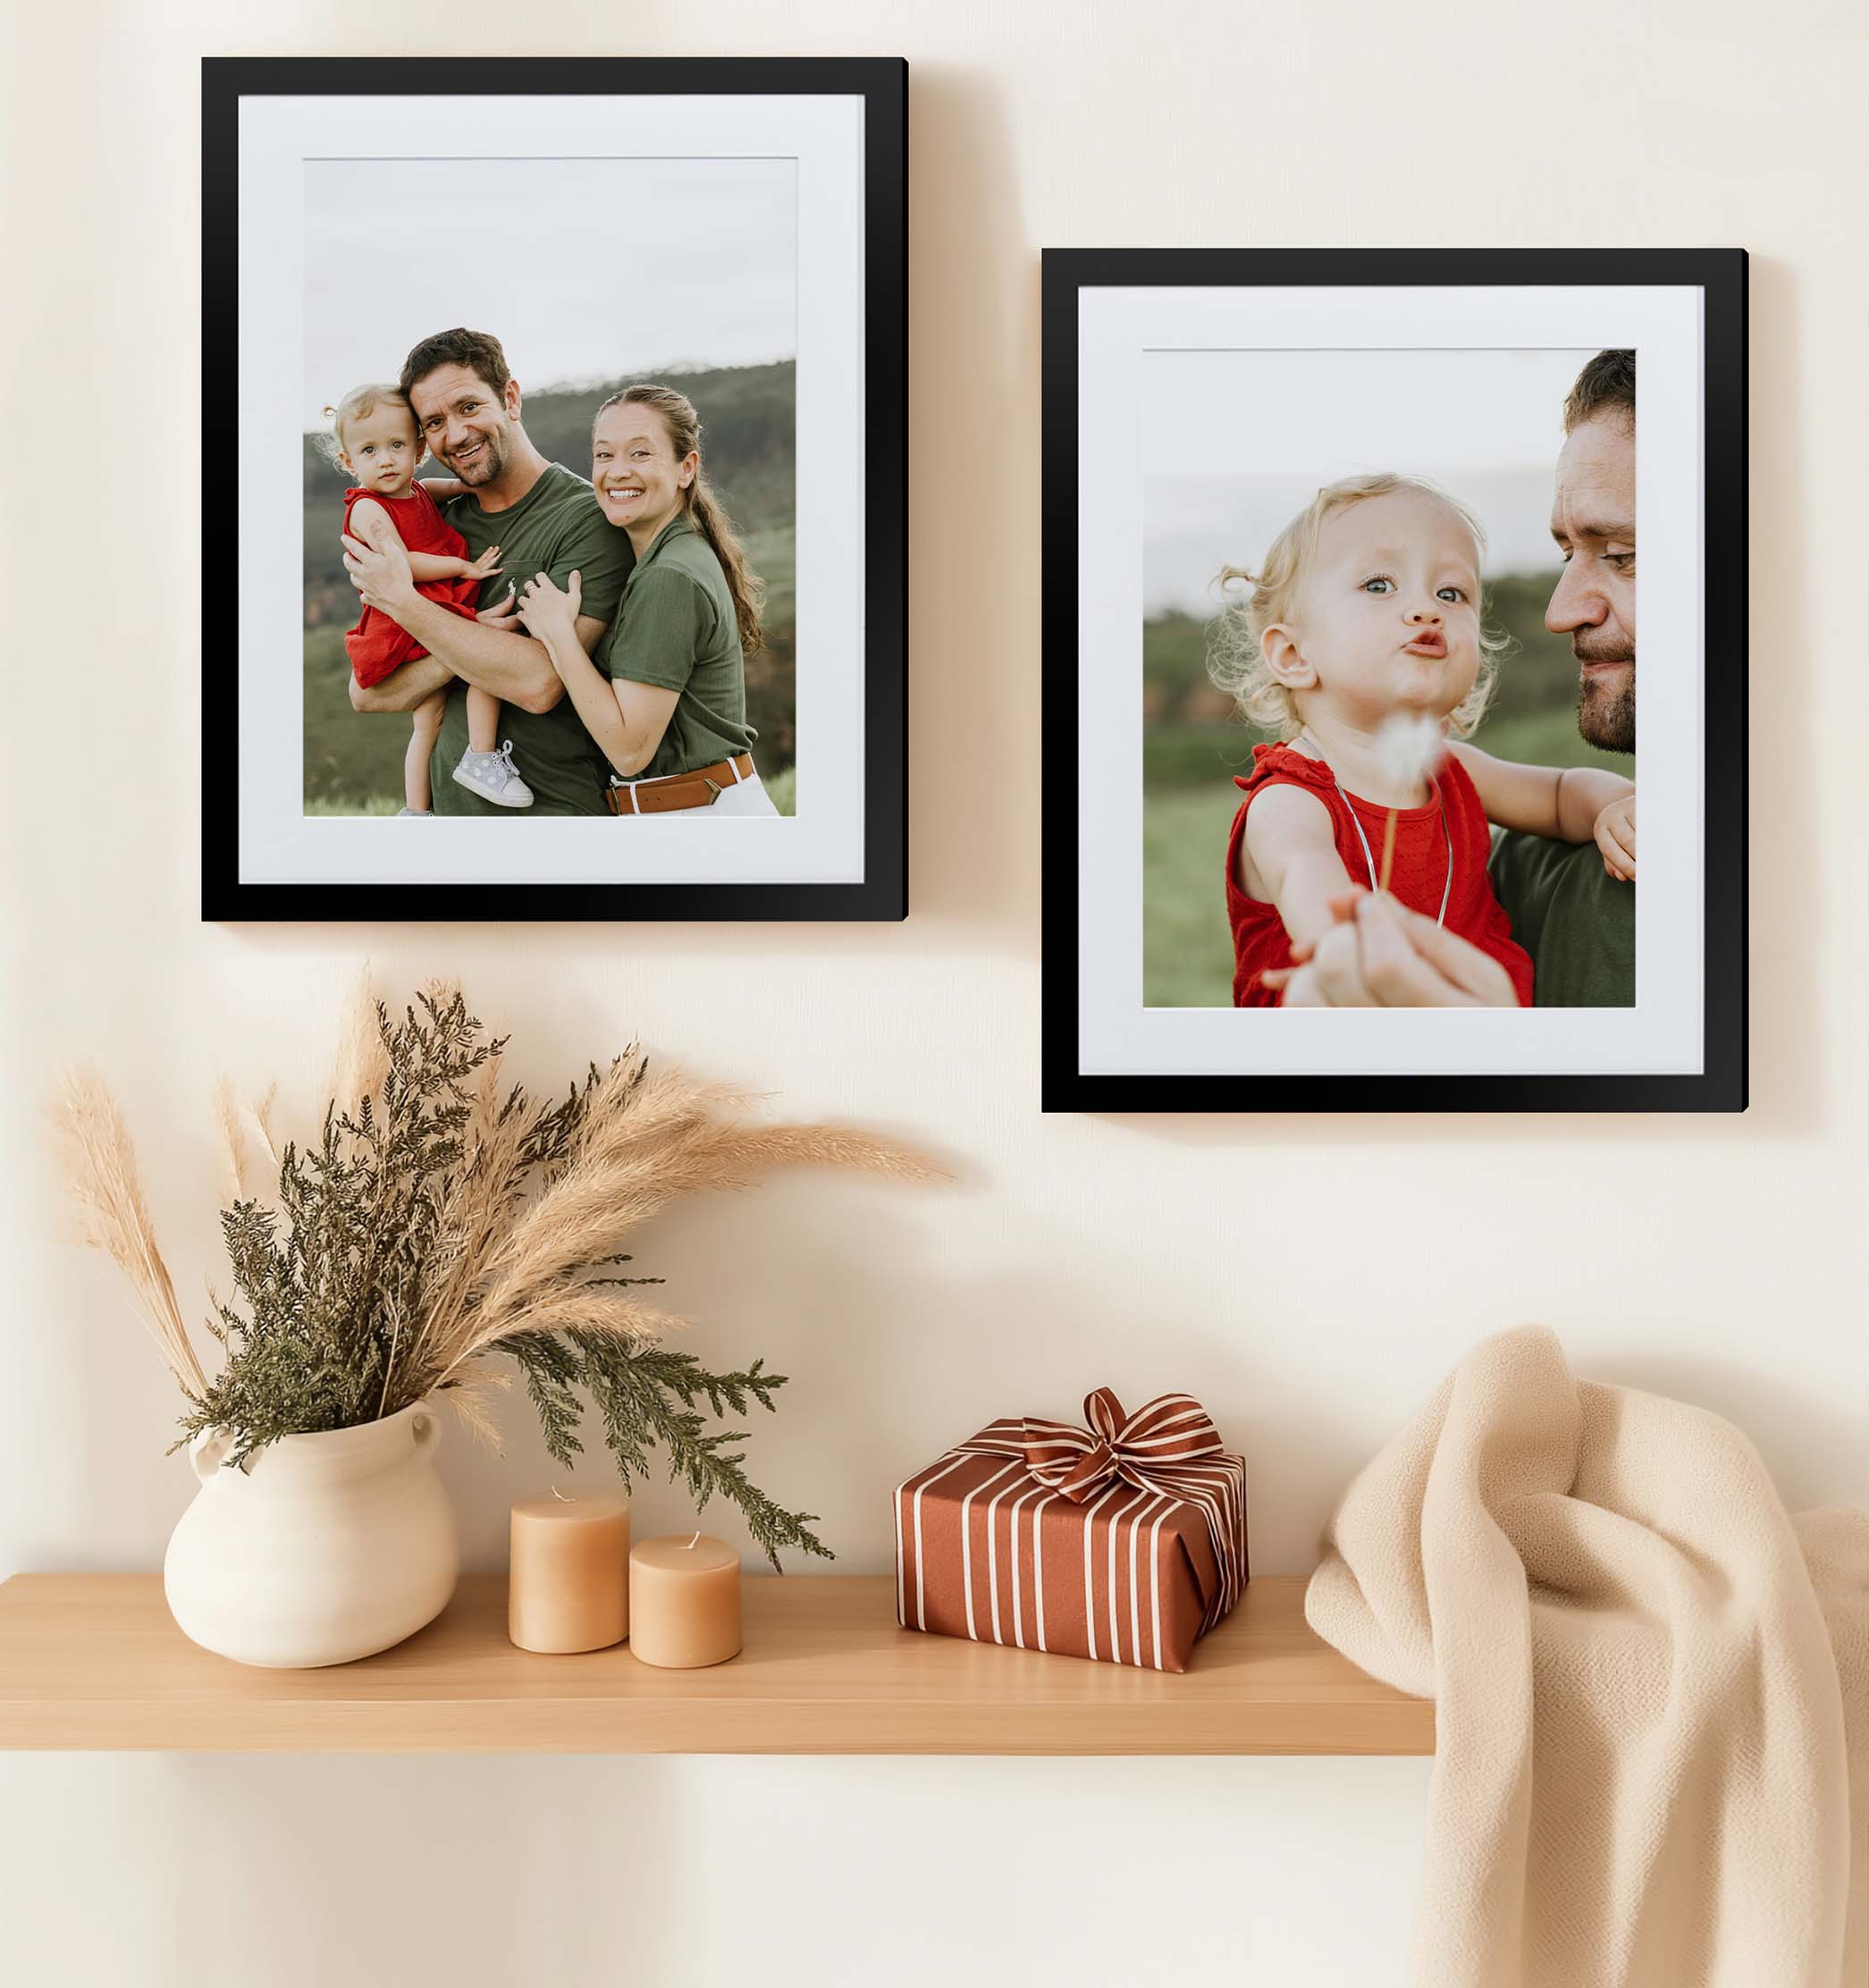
(493, 777)
(420, 813)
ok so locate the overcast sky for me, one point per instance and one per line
(1236, 443)
(581, 268)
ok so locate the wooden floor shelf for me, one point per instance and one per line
(94, 1661)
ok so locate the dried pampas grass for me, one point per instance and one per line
(437, 1219)
(648, 1139)
(474, 1393)
(362, 1059)
(249, 1154)
(105, 1192)
(643, 1138)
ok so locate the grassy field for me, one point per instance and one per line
(353, 760)
(352, 810)
(1190, 755)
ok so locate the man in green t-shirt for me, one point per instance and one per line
(544, 519)
(1576, 921)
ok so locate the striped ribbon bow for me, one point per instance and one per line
(1145, 1449)
(1167, 1450)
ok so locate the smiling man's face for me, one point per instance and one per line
(468, 427)
(1593, 519)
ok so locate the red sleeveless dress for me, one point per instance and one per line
(377, 645)
(1416, 878)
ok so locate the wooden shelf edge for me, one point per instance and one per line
(93, 1662)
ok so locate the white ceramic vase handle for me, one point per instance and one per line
(209, 1450)
(427, 1426)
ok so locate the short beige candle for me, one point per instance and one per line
(569, 1587)
(685, 1601)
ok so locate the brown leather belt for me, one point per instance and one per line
(701, 789)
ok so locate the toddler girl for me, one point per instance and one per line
(1366, 612)
(377, 444)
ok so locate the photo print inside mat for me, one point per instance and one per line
(498, 325)
(1366, 623)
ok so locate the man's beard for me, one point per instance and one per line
(1605, 712)
(492, 460)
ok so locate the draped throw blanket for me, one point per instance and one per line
(1649, 1686)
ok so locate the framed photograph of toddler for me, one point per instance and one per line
(1340, 587)
(563, 573)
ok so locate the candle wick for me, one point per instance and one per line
(561, 1498)
(695, 1541)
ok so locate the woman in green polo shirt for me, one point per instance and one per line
(665, 697)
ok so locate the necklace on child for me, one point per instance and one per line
(1369, 854)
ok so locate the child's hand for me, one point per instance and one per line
(1616, 838)
(1328, 961)
(484, 567)
(1332, 963)
(547, 610)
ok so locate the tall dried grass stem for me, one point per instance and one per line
(106, 1195)
(362, 1059)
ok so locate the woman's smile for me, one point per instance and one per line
(634, 472)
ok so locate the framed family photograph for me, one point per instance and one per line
(1340, 586)
(565, 574)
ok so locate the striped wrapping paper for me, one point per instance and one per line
(1123, 1541)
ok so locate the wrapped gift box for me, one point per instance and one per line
(1123, 1541)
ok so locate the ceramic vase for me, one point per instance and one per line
(324, 1548)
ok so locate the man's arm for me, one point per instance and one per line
(514, 668)
(404, 687)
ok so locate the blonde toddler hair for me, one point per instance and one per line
(1236, 660)
(359, 401)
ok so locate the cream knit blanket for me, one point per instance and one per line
(1641, 1668)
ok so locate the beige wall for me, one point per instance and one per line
(1309, 1280)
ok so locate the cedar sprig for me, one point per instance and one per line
(645, 1397)
(636, 1398)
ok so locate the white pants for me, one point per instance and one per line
(745, 797)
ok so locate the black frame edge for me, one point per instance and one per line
(1722, 1083)
(882, 81)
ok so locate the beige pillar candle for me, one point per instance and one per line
(685, 1601)
(568, 1587)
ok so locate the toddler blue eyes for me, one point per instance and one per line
(1380, 583)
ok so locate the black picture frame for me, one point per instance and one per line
(1721, 1083)
(882, 85)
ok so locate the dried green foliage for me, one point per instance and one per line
(336, 1276)
(647, 1397)
(438, 1224)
